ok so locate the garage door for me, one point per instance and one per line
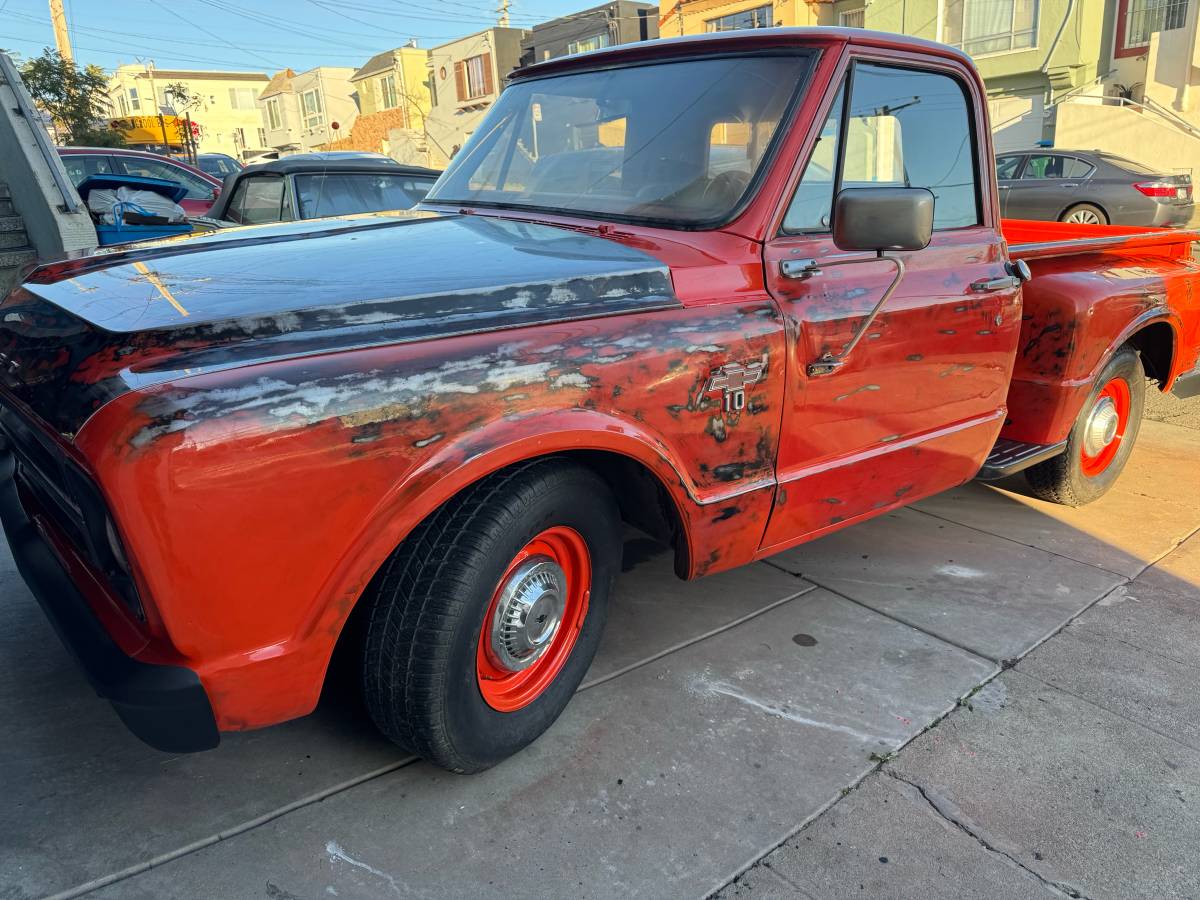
(1016, 121)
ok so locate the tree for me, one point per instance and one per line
(75, 99)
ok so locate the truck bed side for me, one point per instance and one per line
(1095, 288)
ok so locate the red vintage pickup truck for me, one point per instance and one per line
(737, 291)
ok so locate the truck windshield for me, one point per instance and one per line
(676, 142)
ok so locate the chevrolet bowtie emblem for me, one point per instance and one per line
(733, 379)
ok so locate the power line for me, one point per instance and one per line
(212, 34)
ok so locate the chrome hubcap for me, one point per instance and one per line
(1084, 217)
(1101, 428)
(528, 613)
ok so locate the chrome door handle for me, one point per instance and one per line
(1004, 187)
(799, 268)
(996, 284)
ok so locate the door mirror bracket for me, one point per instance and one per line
(877, 220)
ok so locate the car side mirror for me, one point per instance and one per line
(883, 218)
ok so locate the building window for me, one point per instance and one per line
(473, 77)
(1138, 19)
(134, 102)
(759, 17)
(241, 98)
(595, 42)
(853, 18)
(980, 27)
(387, 91)
(274, 119)
(123, 104)
(311, 101)
(262, 137)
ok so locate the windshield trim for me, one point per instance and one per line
(809, 54)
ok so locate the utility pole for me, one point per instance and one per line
(62, 38)
(503, 10)
(162, 123)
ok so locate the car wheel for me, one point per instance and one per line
(484, 621)
(1085, 214)
(1101, 439)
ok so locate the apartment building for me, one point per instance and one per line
(620, 22)
(466, 77)
(226, 114)
(392, 91)
(304, 112)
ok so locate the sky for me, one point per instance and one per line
(257, 35)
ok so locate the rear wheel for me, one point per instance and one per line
(1085, 214)
(1101, 439)
(486, 618)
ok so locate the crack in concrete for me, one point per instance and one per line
(949, 812)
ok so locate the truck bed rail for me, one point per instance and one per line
(1040, 240)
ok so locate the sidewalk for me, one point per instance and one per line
(719, 718)
(1076, 772)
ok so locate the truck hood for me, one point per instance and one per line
(77, 334)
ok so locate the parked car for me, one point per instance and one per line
(202, 188)
(315, 185)
(218, 449)
(218, 165)
(1090, 188)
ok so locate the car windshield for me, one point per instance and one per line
(677, 142)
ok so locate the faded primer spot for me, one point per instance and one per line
(957, 367)
(425, 442)
(857, 390)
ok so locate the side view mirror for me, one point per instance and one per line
(883, 218)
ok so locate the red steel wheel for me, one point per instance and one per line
(533, 619)
(1105, 427)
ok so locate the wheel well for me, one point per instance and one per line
(1156, 345)
(642, 497)
(644, 503)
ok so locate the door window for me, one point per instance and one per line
(903, 128)
(1007, 166)
(259, 201)
(80, 166)
(197, 187)
(1053, 166)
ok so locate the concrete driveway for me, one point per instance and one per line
(720, 717)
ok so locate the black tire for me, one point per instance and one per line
(1062, 479)
(1101, 215)
(430, 599)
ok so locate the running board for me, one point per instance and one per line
(1010, 457)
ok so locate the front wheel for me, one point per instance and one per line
(1101, 439)
(486, 618)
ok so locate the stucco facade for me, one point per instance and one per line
(467, 76)
(227, 114)
(392, 92)
(299, 112)
(619, 22)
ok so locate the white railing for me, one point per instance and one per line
(1147, 107)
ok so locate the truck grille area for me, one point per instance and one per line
(70, 498)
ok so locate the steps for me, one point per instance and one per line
(15, 252)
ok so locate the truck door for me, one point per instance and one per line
(917, 405)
